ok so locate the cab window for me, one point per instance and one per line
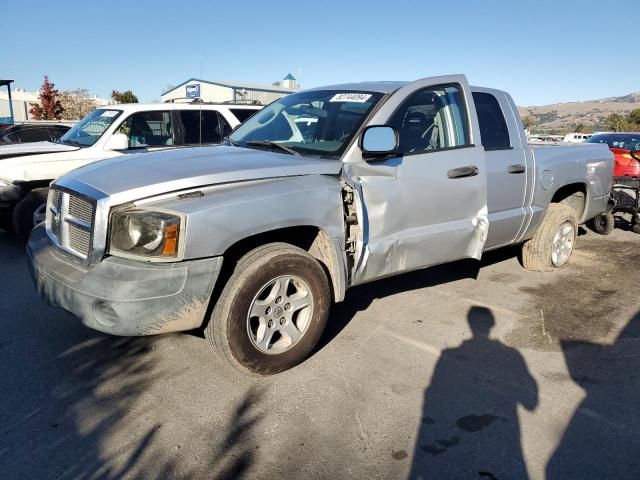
(432, 119)
(148, 129)
(493, 127)
(203, 127)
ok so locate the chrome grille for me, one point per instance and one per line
(79, 239)
(70, 221)
(80, 209)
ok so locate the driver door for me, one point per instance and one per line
(427, 204)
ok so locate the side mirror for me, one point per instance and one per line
(379, 140)
(117, 141)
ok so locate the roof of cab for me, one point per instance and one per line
(137, 107)
(382, 87)
(385, 87)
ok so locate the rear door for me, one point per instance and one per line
(427, 204)
(507, 166)
(202, 127)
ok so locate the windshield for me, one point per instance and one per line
(624, 141)
(317, 122)
(88, 130)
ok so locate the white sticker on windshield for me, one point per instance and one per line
(350, 97)
(109, 113)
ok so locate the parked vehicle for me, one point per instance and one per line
(27, 169)
(576, 137)
(626, 150)
(272, 228)
(626, 175)
(25, 133)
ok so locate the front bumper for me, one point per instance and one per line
(124, 297)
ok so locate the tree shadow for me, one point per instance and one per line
(78, 404)
(470, 426)
(602, 439)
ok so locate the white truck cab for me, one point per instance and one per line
(26, 170)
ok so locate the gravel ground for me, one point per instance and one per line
(468, 370)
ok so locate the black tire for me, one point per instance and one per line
(536, 252)
(635, 227)
(603, 223)
(24, 210)
(227, 329)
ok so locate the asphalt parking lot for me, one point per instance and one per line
(469, 370)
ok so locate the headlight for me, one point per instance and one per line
(145, 233)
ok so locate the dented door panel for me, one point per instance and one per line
(419, 209)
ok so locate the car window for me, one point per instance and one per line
(57, 132)
(493, 127)
(202, 127)
(37, 134)
(624, 141)
(314, 122)
(431, 119)
(12, 137)
(92, 126)
(148, 129)
(242, 113)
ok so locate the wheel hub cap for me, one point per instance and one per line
(562, 244)
(280, 314)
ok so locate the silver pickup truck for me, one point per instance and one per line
(320, 191)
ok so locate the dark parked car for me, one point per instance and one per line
(31, 133)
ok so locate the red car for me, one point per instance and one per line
(626, 151)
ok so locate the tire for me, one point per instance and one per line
(635, 227)
(538, 252)
(603, 223)
(235, 334)
(24, 210)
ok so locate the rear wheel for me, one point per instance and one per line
(272, 311)
(29, 212)
(603, 223)
(553, 243)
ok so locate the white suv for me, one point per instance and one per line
(116, 130)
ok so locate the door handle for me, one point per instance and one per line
(469, 171)
(516, 169)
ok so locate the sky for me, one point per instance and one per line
(541, 52)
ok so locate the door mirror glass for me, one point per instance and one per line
(379, 140)
(117, 141)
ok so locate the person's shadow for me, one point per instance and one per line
(602, 439)
(470, 425)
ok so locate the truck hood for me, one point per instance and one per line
(34, 148)
(133, 177)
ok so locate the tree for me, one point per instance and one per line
(634, 119)
(624, 123)
(76, 103)
(124, 97)
(580, 128)
(529, 122)
(617, 123)
(50, 107)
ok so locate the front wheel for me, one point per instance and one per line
(552, 245)
(272, 311)
(29, 212)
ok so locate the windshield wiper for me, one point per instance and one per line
(232, 142)
(268, 143)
